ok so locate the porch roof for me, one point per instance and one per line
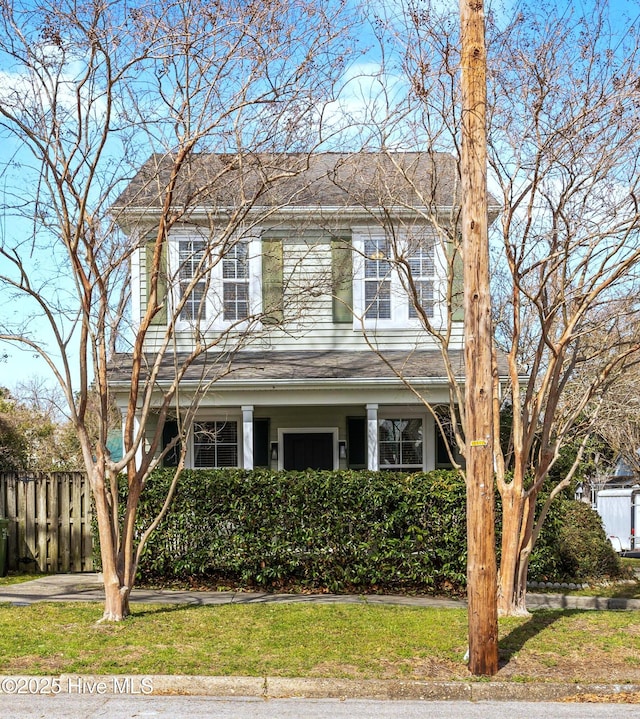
(249, 367)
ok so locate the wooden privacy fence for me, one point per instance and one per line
(49, 521)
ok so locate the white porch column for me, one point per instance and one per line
(247, 436)
(373, 461)
(136, 433)
(136, 430)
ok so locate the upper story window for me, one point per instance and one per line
(216, 284)
(235, 279)
(191, 258)
(395, 283)
(421, 263)
(377, 278)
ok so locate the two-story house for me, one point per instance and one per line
(309, 279)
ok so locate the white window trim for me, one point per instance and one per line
(190, 454)
(399, 297)
(428, 438)
(214, 320)
(136, 281)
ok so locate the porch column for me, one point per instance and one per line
(136, 431)
(136, 425)
(247, 436)
(373, 461)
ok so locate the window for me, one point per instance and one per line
(235, 282)
(215, 444)
(217, 284)
(386, 273)
(424, 298)
(422, 266)
(377, 280)
(400, 444)
(191, 258)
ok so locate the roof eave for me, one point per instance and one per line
(128, 215)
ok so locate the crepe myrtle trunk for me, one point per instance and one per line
(116, 587)
(512, 579)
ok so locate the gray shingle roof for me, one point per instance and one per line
(249, 366)
(363, 179)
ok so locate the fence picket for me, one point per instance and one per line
(64, 545)
(9, 489)
(54, 523)
(50, 521)
(41, 524)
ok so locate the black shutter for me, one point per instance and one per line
(169, 432)
(357, 442)
(261, 456)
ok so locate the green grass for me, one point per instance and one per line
(312, 640)
(18, 578)
(618, 590)
(254, 640)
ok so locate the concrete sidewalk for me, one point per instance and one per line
(87, 587)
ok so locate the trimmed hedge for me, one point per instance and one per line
(335, 530)
(339, 531)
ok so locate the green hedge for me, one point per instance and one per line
(573, 546)
(339, 530)
(343, 531)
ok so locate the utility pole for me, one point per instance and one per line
(481, 562)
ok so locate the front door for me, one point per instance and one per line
(308, 450)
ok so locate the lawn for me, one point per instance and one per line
(17, 578)
(307, 640)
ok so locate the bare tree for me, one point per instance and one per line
(619, 426)
(564, 152)
(564, 134)
(90, 93)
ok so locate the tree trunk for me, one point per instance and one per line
(510, 599)
(517, 543)
(116, 592)
(116, 598)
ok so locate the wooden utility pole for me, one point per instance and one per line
(481, 562)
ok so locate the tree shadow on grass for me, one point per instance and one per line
(516, 639)
(151, 609)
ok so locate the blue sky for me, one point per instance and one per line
(23, 364)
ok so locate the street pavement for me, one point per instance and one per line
(256, 691)
(74, 707)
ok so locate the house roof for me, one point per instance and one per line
(294, 180)
(291, 367)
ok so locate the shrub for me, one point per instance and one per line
(573, 546)
(342, 531)
(362, 531)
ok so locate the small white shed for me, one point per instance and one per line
(620, 512)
